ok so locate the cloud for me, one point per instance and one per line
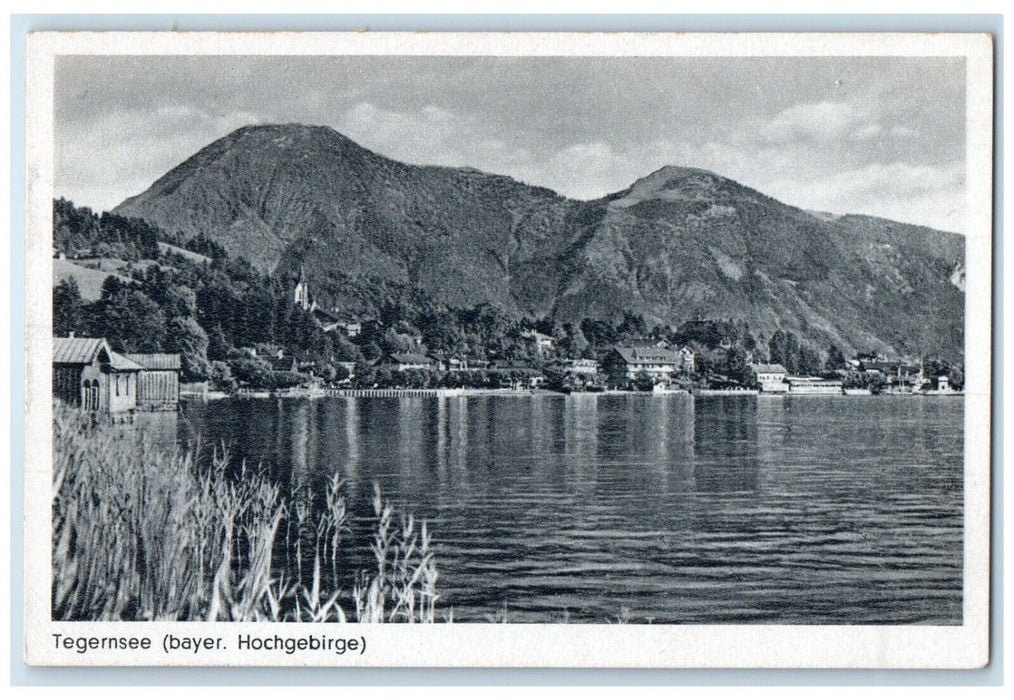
(584, 170)
(808, 131)
(920, 194)
(904, 132)
(867, 131)
(817, 121)
(425, 136)
(117, 154)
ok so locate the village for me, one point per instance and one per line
(143, 319)
(88, 373)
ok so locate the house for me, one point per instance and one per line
(158, 382)
(401, 361)
(457, 363)
(900, 375)
(814, 385)
(449, 362)
(623, 363)
(688, 360)
(326, 320)
(350, 326)
(540, 341)
(89, 375)
(582, 368)
(770, 378)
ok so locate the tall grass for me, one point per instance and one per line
(142, 533)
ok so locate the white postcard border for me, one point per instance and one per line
(470, 645)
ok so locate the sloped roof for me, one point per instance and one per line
(83, 351)
(325, 316)
(767, 369)
(77, 351)
(647, 353)
(121, 364)
(411, 358)
(155, 360)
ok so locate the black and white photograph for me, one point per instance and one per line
(626, 335)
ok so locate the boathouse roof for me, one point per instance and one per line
(155, 360)
(122, 364)
(77, 351)
(83, 351)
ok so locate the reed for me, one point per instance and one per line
(143, 533)
(403, 588)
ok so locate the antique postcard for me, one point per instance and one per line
(493, 350)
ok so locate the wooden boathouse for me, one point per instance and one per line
(158, 382)
(89, 375)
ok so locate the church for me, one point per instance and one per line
(327, 320)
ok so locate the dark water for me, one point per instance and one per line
(675, 509)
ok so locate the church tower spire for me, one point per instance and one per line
(302, 295)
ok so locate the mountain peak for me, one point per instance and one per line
(673, 182)
(679, 172)
(286, 136)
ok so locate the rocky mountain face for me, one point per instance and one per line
(676, 244)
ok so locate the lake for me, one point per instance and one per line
(642, 508)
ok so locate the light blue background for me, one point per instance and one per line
(24, 675)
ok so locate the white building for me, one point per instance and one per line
(770, 378)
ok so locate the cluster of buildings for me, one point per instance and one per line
(894, 376)
(88, 374)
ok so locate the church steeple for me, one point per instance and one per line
(302, 295)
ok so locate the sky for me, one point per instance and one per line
(858, 135)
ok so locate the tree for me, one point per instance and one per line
(218, 346)
(364, 376)
(187, 338)
(574, 343)
(808, 360)
(285, 380)
(345, 350)
(128, 319)
(395, 342)
(67, 307)
(600, 334)
(835, 358)
(735, 362)
(957, 378)
(644, 382)
(221, 376)
(371, 352)
(633, 326)
(180, 301)
(252, 371)
(782, 349)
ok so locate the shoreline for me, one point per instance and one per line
(451, 393)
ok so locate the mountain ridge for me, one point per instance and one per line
(681, 242)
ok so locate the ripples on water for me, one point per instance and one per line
(670, 509)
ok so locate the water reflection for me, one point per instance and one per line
(726, 445)
(685, 509)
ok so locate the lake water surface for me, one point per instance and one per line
(669, 509)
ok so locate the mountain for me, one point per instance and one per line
(678, 243)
